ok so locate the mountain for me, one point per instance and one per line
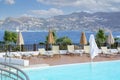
(82, 21)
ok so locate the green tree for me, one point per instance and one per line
(10, 37)
(100, 37)
(63, 40)
(117, 39)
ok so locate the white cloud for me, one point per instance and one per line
(27, 15)
(47, 13)
(10, 2)
(57, 2)
(87, 5)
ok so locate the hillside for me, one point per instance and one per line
(82, 21)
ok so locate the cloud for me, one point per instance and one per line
(27, 15)
(57, 2)
(87, 5)
(47, 13)
(10, 2)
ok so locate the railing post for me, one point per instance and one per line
(17, 74)
(34, 47)
(1, 74)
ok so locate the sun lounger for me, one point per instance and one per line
(21, 55)
(12, 55)
(8, 55)
(26, 56)
(17, 55)
(71, 49)
(87, 49)
(33, 53)
(118, 48)
(43, 52)
(106, 52)
(115, 51)
(55, 50)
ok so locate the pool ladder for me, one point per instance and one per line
(9, 72)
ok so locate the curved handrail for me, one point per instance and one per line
(10, 66)
(11, 73)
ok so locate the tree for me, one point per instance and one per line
(100, 37)
(10, 37)
(63, 40)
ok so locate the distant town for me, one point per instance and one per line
(82, 21)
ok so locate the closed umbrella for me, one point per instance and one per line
(51, 39)
(83, 39)
(20, 40)
(110, 39)
(94, 50)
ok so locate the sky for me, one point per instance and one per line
(49, 8)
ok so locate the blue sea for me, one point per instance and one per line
(31, 37)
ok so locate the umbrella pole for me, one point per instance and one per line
(91, 69)
(20, 48)
(51, 46)
(91, 61)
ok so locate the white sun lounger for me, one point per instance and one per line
(55, 49)
(118, 48)
(13, 55)
(43, 52)
(87, 49)
(106, 51)
(71, 49)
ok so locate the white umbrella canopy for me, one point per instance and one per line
(110, 39)
(94, 50)
(20, 40)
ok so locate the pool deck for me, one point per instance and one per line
(69, 59)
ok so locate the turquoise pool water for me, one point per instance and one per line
(84, 71)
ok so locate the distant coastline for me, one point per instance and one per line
(82, 21)
(31, 37)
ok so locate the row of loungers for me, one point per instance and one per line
(55, 50)
(104, 50)
(71, 50)
(42, 52)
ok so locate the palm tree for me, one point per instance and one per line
(100, 37)
(63, 42)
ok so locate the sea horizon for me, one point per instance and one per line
(35, 37)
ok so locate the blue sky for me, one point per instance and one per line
(48, 8)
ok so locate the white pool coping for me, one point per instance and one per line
(46, 66)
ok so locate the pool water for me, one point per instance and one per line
(85, 71)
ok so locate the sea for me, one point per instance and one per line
(35, 37)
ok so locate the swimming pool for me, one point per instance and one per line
(84, 71)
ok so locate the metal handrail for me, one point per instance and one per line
(10, 73)
(10, 66)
